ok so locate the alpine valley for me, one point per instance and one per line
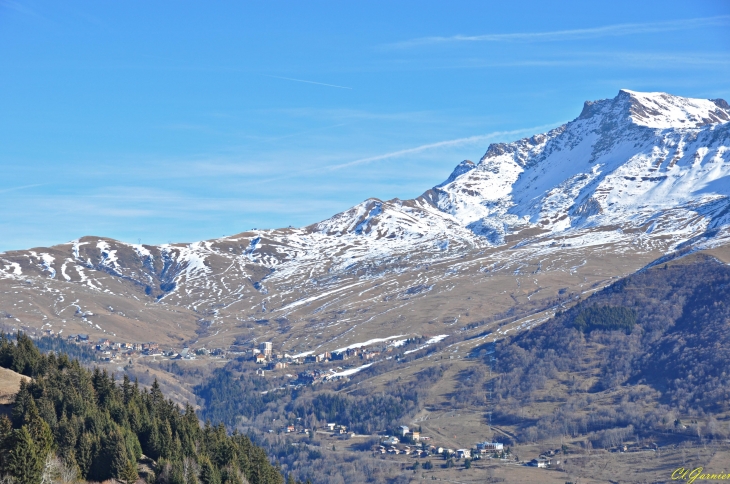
(509, 250)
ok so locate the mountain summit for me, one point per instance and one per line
(660, 110)
(626, 160)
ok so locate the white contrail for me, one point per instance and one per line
(12, 189)
(308, 82)
(440, 144)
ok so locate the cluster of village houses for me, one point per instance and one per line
(111, 350)
(265, 355)
(413, 443)
(392, 445)
(269, 360)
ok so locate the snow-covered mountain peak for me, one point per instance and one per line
(638, 153)
(657, 110)
(463, 167)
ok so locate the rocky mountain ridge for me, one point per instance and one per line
(636, 176)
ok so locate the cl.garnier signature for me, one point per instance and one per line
(691, 475)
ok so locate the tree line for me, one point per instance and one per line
(98, 429)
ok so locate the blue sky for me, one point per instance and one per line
(180, 121)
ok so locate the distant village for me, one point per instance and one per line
(404, 440)
(265, 356)
(109, 350)
(407, 441)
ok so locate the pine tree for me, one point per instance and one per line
(229, 475)
(86, 453)
(116, 450)
(208, 473)
(6, 439)
(22, 400)
(23, 462)
(39, 430)
(129, 473)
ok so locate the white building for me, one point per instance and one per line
(484, 447)
(463, 453)
(267, 348)
(393, 440)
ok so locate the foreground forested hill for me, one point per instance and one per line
(69, 423)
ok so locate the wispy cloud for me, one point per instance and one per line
(308, 82)
(17, 6)
(573, 34)
(621, 59)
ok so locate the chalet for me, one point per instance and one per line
(463, 453)
(260, 372)
(416, 435)
(312, 359)
(331, 426)
(307, 377)
(290, 428)
(487, 447)
(83, 337)
(260, 359)
(393, 440)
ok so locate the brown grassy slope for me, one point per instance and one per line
(9, 385)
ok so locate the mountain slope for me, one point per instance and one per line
(641, 352)
(629, 180)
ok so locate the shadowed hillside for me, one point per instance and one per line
(642, 352)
